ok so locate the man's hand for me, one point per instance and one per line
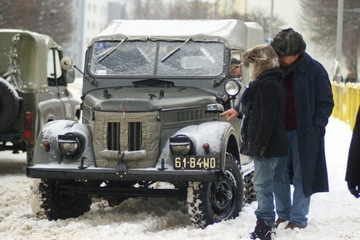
(354, 189)
(230, 114)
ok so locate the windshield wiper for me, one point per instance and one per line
(174, 51)
(110, 51)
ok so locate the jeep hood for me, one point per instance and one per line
(147, 99)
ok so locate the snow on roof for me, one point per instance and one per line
(232, 32)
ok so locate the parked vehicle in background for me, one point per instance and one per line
(33, 88)
(150, 114)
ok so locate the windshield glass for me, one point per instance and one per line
(157, 59)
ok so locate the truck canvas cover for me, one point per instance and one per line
(227, 31)
(33, 48)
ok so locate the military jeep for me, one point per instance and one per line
(33, 88)
(152, 96)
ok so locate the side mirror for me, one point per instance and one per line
(70, 75)
(66, 63)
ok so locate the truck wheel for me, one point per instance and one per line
(9, 105)
(211, 202)
(56, 205)
(29, 154)
(249, 190)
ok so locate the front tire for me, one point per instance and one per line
(56, 205)
(211, 202)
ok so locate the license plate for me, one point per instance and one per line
(198, 163)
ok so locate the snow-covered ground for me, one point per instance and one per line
(333, 215)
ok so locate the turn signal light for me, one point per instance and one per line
(46, 145)
(28, 120)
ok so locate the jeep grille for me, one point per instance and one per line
(120, 131)
(134, 130)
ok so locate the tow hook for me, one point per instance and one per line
(121, 166)
(82, 163)
(162, 168)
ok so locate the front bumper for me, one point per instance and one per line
(152, 174)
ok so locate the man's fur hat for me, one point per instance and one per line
(260, 58)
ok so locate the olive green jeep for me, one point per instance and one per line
(33, 88)
(152, 96)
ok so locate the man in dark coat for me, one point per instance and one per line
(266, 136)
(309, 105)
(353, 165)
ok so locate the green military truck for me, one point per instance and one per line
(33, 88)
(152, 96)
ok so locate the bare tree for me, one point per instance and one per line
(150, 9)
(147, 9)
(320, 18)
(197, 9)
(52, 17)
(177, 10)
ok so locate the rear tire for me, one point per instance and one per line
(9, 105)
(249, 190)
(211, 202)
(29, 154)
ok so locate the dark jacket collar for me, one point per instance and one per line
(300, 64)
(304, 62)
(276, 71)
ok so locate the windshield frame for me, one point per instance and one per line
(156, 70)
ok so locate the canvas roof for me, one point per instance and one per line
(28, 66)
(233, 33)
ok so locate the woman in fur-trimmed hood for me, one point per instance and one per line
(266, 135)
(263, 109)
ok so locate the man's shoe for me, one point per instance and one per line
(292, 226)
(262, 231)
(279, 221)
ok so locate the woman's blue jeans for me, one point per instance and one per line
(264, 187)
(297, 209)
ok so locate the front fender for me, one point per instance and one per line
(52, 154)
(217, 134)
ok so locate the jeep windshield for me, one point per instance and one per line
(157, 59)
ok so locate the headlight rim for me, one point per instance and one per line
(181, 145)
(68, 139)
(236, 87)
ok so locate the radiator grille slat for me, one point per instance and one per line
(113, 136)
(134, 136)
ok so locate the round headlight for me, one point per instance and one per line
(232, 87)
(181, 145)
(69, 144)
